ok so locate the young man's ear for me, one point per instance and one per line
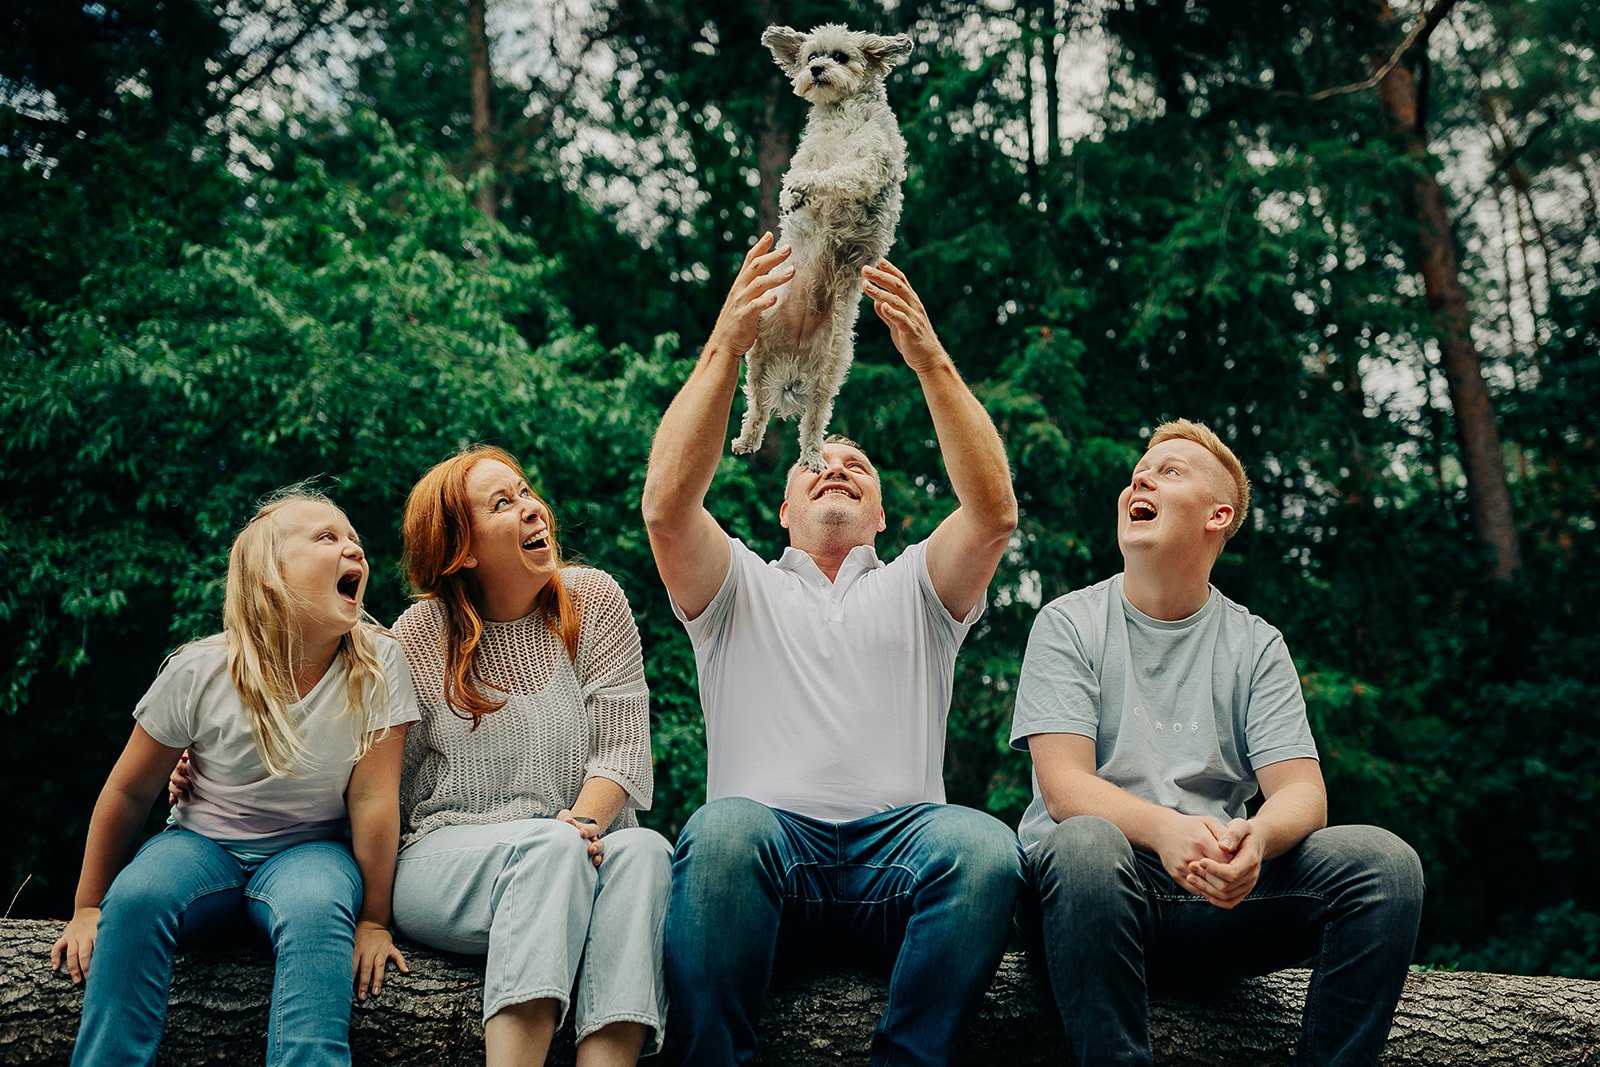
(1221, 518)
(783, 514)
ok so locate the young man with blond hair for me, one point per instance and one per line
(1154, 709)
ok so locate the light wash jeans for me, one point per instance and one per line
(1348, 898)
(925, 892)
(182, 887)
(526, 894)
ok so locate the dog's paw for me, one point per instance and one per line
(745, 444)
(813, 462)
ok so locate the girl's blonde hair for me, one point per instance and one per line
(258, 622)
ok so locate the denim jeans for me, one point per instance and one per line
(925, 891)
(525, 894)
(184, 887)
(1347, 898)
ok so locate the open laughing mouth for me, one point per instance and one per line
(1141, 511)
(350, 585)
(537, 542)
(835, 487)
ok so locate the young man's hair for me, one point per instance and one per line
(1184, 430)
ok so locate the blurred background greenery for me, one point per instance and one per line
(250, 243)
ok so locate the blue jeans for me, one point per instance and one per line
(182, 887)
(926, 891)
(1348, 898)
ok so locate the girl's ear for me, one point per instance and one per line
(470, 562)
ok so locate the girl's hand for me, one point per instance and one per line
(180, 783)
(374, 950)
(590, 831)
(76, 944)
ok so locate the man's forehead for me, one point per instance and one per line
(837, 449)
(848, 452)
(1192, 452)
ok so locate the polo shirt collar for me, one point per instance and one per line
(860, 559)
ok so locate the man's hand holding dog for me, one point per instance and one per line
(753, 291)
(898, 306)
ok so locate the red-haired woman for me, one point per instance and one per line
(522, 778)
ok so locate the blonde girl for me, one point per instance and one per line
(294, 717)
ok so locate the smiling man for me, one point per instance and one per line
(825, 680)
(1154, 708)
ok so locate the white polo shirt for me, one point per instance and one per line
(827, 699)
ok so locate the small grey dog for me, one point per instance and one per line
(840, 204)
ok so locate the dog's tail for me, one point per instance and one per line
(792, 400)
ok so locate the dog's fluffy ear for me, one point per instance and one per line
(784, 44)
(885, 53)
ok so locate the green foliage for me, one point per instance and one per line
(1561, 940)
(354, 327)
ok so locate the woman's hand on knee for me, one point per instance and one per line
(76, 944)
(590, 831)
(374, 951)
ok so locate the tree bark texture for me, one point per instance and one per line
(1488, 495)
(775, 135)
(431, 1016)
(483, 145)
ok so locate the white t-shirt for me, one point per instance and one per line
(192, 704)
(828, 699)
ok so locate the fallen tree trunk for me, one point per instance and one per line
(219, 1007)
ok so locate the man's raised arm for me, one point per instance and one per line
(966, 548)
(690, 549)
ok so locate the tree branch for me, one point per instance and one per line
(1418, 36)
(313, 22)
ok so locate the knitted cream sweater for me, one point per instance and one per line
(563, 722)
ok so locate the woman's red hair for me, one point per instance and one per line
(437, 530)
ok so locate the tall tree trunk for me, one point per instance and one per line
(488, 199)
(1027, 23)
(1488, 495)
(774, 146)
(1052, 87)
(774, 138)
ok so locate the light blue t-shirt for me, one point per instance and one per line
(1182, 713)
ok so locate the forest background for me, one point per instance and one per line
(250, 243)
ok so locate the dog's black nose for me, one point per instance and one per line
(817, 68)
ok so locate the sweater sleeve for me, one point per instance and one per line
(616, 698)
